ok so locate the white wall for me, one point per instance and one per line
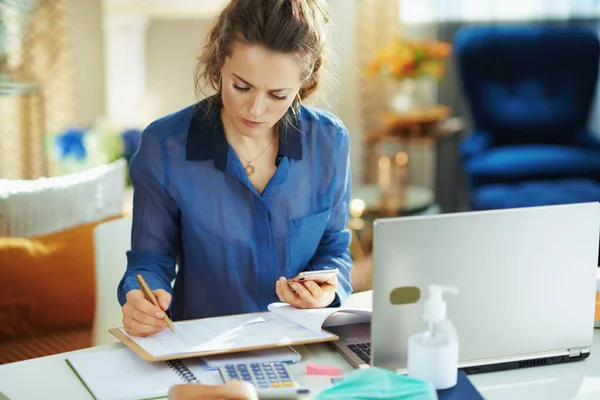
(171, 47)
(88, 59)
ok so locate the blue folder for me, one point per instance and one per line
(464, 390)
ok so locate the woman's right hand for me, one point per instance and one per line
(232, 390)
(140, 316)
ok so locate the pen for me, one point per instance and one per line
(152, 298)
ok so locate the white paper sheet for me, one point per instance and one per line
(227, 333)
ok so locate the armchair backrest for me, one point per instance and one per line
(528, 83)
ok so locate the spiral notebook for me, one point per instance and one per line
(121, 375)
(287, 355)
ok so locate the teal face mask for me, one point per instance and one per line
(378, 383)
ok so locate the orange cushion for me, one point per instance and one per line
(47, 282)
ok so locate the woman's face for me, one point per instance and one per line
(258, 87)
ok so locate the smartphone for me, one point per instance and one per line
(315, 276)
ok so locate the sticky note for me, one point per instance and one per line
(315, 369)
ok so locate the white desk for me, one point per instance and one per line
(51, 378)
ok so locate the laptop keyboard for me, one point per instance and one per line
(362, 350)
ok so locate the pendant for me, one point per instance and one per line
(249, 170)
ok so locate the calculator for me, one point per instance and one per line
(272, 380)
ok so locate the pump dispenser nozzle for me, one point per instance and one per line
(435, 306)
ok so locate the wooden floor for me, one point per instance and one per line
(44, 345)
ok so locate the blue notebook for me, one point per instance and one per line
(464, 390)
(286, 355)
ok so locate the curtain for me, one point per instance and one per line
(38, 56)
(495, 10)
(377, 24)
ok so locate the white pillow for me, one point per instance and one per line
(46, 205)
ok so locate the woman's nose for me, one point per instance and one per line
(257, 107)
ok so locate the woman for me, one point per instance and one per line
(248, 186)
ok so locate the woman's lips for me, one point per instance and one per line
(251, 124)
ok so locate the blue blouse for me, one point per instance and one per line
(198, 220)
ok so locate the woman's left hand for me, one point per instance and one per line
(307, 294)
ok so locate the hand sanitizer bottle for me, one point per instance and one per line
(433, 353)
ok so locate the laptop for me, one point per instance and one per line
(527, 281)
(354, 343)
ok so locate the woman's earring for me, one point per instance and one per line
(296, 105)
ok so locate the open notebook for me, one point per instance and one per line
(121, 375)
(281, 326)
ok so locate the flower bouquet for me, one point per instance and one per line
(416, 65)
(410, 59)
(77, 149)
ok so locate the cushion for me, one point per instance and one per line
(535, 193)
(47, 282)
(40, 206)
(525, 161)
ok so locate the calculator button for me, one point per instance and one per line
(290, 384)
(276, 384)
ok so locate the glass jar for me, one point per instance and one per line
(392, 174)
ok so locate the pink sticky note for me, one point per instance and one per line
(315, 369)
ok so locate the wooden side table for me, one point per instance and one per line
(365, 207)
(433, 130)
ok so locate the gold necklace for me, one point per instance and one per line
(249, 168)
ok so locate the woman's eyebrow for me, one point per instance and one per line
(249, 84)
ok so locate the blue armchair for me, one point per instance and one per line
(530, 91)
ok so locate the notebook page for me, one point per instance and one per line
(121, 375)
(314, 319)
(226, 333)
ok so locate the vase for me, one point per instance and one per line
(392, 175)
(413, 94)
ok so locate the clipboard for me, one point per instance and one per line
(283, 331)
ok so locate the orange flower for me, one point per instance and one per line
(404, 59)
